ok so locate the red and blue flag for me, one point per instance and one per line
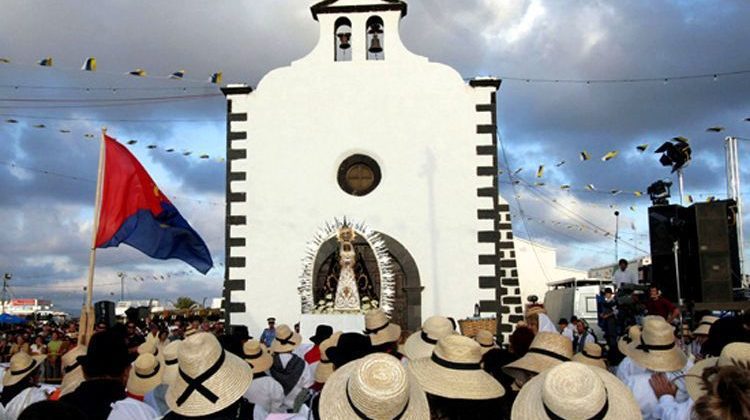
(136, 212)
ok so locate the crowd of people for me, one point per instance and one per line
(193, 370)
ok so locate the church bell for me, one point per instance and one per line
(344, 40)
(375, 46)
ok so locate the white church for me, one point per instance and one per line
(367, 140)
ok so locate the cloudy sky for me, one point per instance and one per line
(47, 177)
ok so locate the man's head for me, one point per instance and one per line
(131, 328)
(107, 357)
(623, 264)
(100, 327)
(580, 327)
(563, 323)
(653, 292)
(608, 293)
(271, 322)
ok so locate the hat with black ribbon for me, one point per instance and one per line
(145, 375)
(21, 365)
(374, 387)
(573, 390)
(286, 340)
(71, 368)
(623, 344)
(170, 362)
(547, 350)
(591, 355)
(705, 325)
(379, 328)
(656, 348)
(209, 379)
(421, 343)
(454, 371)
(257, 356)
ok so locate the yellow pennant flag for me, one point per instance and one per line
(540, 171)
(609, 156)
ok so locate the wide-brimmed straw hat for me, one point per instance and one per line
(591, 355)
(209, 380)
(380, 329)
(170, 362)
(633, 334)
(72, 371)
(421, 343)
(546, 351)
(573, 390)
(374, 387)
(286, 340)
(257, 356)
(656, 348)
(145, 375)
(705, 325)
(21, 365)
(454, 371)
(733, 354)
(324, 369)
(148, 347)
(486, 341)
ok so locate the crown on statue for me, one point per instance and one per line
(346, 234)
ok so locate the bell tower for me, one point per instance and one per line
(359, 30)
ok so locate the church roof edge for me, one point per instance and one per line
(329, 6)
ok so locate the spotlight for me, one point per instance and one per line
(659, 192)
(677, 154)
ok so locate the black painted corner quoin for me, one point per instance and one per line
(232, 197)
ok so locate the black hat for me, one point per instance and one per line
(351, 346)
(321, 333)
(107, 355)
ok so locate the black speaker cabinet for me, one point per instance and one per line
(105, 313)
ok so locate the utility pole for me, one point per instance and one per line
(617, 235)
(733, 192)
(121, 275)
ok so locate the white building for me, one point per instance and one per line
(403, 148)
(537, 266)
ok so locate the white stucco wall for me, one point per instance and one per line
(415, 118)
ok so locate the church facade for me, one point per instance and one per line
(363, 134)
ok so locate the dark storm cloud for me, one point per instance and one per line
(539, 123)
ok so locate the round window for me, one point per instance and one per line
(359, 175)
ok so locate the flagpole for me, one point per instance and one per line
(87, 326)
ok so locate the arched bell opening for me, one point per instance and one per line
(342, 39)
(375, 49)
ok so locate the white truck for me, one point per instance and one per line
(575, 297)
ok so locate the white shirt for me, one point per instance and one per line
(645, 396)
(24, 399)
(628, 368)
(569, 332)
(266, 393)
(622, 277)
(669, 409)
(131, 409)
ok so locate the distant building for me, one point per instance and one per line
(537, 266)
(23, 307)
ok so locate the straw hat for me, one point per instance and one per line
(21, 365)
(148, 347)
(421, 343)
(257, 356)
(72, 371)
(575, 391)
(732, 354)
(170, 362)
(546, 351)
(656, 348)
(324, 369)
(454, 371)
(591, 355)
(633, 334)
(378, 326)
(209, 380)
(286, 340)
(145, 375)
(486, 341)
(705, 325)
(375, 387)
